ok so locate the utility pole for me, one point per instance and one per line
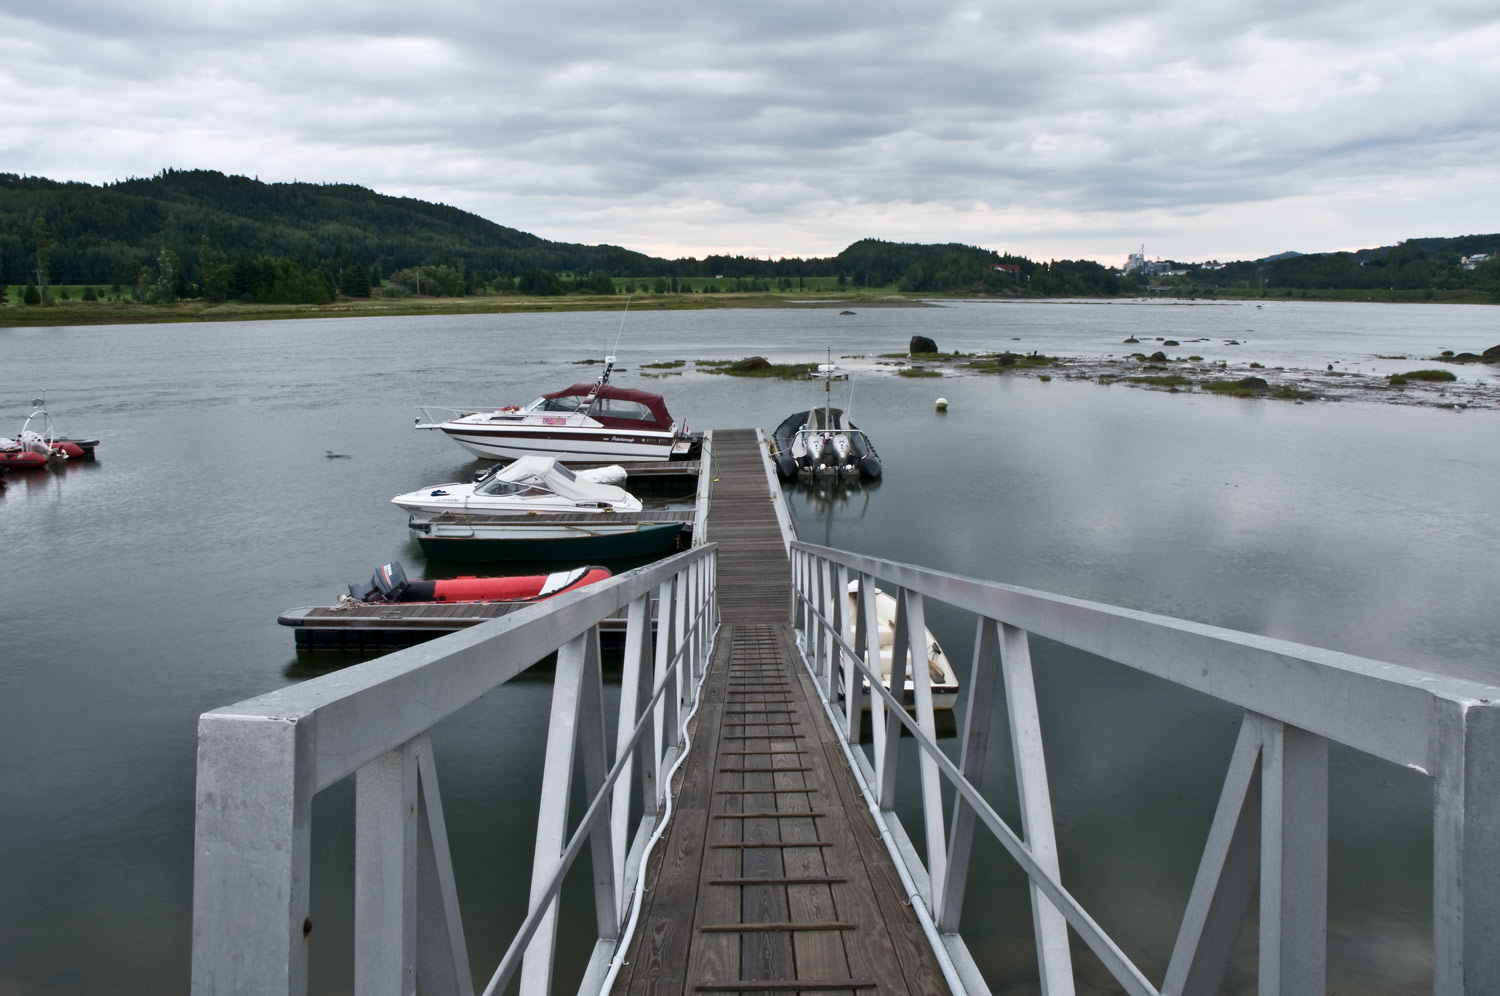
(43, 254)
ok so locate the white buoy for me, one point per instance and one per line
(942, 404)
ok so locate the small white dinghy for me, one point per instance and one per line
(944, 679)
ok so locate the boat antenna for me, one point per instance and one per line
(622, 321)
(827, 386)
(609, 364)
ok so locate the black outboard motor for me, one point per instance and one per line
(388, 584)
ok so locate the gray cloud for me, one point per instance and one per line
(1071, 129)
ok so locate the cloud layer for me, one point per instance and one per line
(1075, 129)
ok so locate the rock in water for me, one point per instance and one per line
(921, 344)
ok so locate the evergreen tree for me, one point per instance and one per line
(89, 294)
(32, 296)
(354, 281)
(168, 268)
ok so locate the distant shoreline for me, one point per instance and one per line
(74, 312)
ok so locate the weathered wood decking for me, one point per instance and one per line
(772, 876)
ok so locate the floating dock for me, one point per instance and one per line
(387, 626)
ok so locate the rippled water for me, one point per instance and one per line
(143, 590)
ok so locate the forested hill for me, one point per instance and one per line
(192, 233)
(107, 234)
(202, 234)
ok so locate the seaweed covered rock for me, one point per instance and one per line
(750, 364)
(921, 344)
(1491, 355)
(1253, 384)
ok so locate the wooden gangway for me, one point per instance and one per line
(779, 861)
(773, 876)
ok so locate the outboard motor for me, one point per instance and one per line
(388, 584)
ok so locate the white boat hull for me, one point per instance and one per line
(942, 679)
(570, 438)
(531, 488)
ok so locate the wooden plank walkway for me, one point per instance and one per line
(772, 876)
(755, 576)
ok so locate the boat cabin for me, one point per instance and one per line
(614, 407)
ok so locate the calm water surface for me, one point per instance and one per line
(143, 590)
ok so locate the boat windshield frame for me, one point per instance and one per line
(496, 487)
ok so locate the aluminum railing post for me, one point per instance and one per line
(870, 614)
(854, 685)
(665, 719)
(890, 748)
(442, 955)
(1466, 850)
(1227, 875)
(795, 558)
(838, 663)
(385, 874)
(1053, 957)
(635, 690)
(552, 815)
(932, 785)
(948, 904)
(251, 923)
(1294, 863)
(596, 765)
(681, 598)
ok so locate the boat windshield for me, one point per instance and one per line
(564, 472)
(511, 489)
(567, 403)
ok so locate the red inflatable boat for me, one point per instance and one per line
(390, 584)
(31, 449)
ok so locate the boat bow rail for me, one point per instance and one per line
(261, 762)
(433, 416)
(1271, 825)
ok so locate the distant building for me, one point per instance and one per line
(1136, 260)
(1469, 262)
(1008, 268)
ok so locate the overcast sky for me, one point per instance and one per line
(1073, 129)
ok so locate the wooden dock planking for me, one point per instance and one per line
(754, 572)
(773, 876)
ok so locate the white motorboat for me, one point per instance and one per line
(939, 671)
(581, 424)
(532, 485)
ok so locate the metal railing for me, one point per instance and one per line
(1271, 825)
(261, 762)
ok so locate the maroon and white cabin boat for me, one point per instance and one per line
(581, 424)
